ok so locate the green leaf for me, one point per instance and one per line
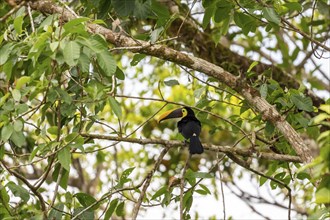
(205, 189)
(18, 22)
(325, 108)
(5, 52)
(253, 64)
(159, 192)
(142, 9)
(271, 15)
(322, 196)
(208, 14)
(33, 153)
(18, 138)
(263, 90)
(137, 58)
(269, 129)
(303, 121)
(293, 6)
(8, 68)
(187, 200)
(54, 45)
(16, 95)
(64, 157)
(74, 22)
(246, 22)
(222, 11)
(70, 137)
(65, 176)
(87, 215)
(262, 180)
(52, 130)
(106, 62)
(96, 43)
(111, 209)
(160, 10)
(124, 7)
(65, 96)
(71, 53)
(2, 151)
(120, 210)
(19, 191)
(200, 191)
(86, 200)
(171, 82)
(303, 175)
(119, 74)
(155, 34)
(115, 107)
(302, 103)
(4, 197)
(22, 81)
(313, 132)
(18, 125)
(124, 176)
(56, 212)
(6, 132)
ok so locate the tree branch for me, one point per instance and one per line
(209, 147)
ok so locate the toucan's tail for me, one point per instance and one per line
(195, 145)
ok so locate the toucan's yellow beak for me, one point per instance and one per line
(174, 113)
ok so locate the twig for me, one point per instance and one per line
(12, 11)
(30, 16)
(59, 177)
(45, 174)
(222, 193)
(184, 20)
(209, 84)
(147, 183)
(182, 182)
(68, 8)
(146, 121)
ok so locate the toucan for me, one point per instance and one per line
(189, 126)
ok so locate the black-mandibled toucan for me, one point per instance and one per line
(189, 126)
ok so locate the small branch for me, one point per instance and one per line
(31, 18)
(59, 177)
(222, 193)
(185, 18)
(207, 146)
(182, 181)
(147, 183)
(31, 187)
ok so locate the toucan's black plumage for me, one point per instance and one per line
(189, 126)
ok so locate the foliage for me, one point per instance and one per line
(60, 83)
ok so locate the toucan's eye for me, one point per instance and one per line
(184, 110)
